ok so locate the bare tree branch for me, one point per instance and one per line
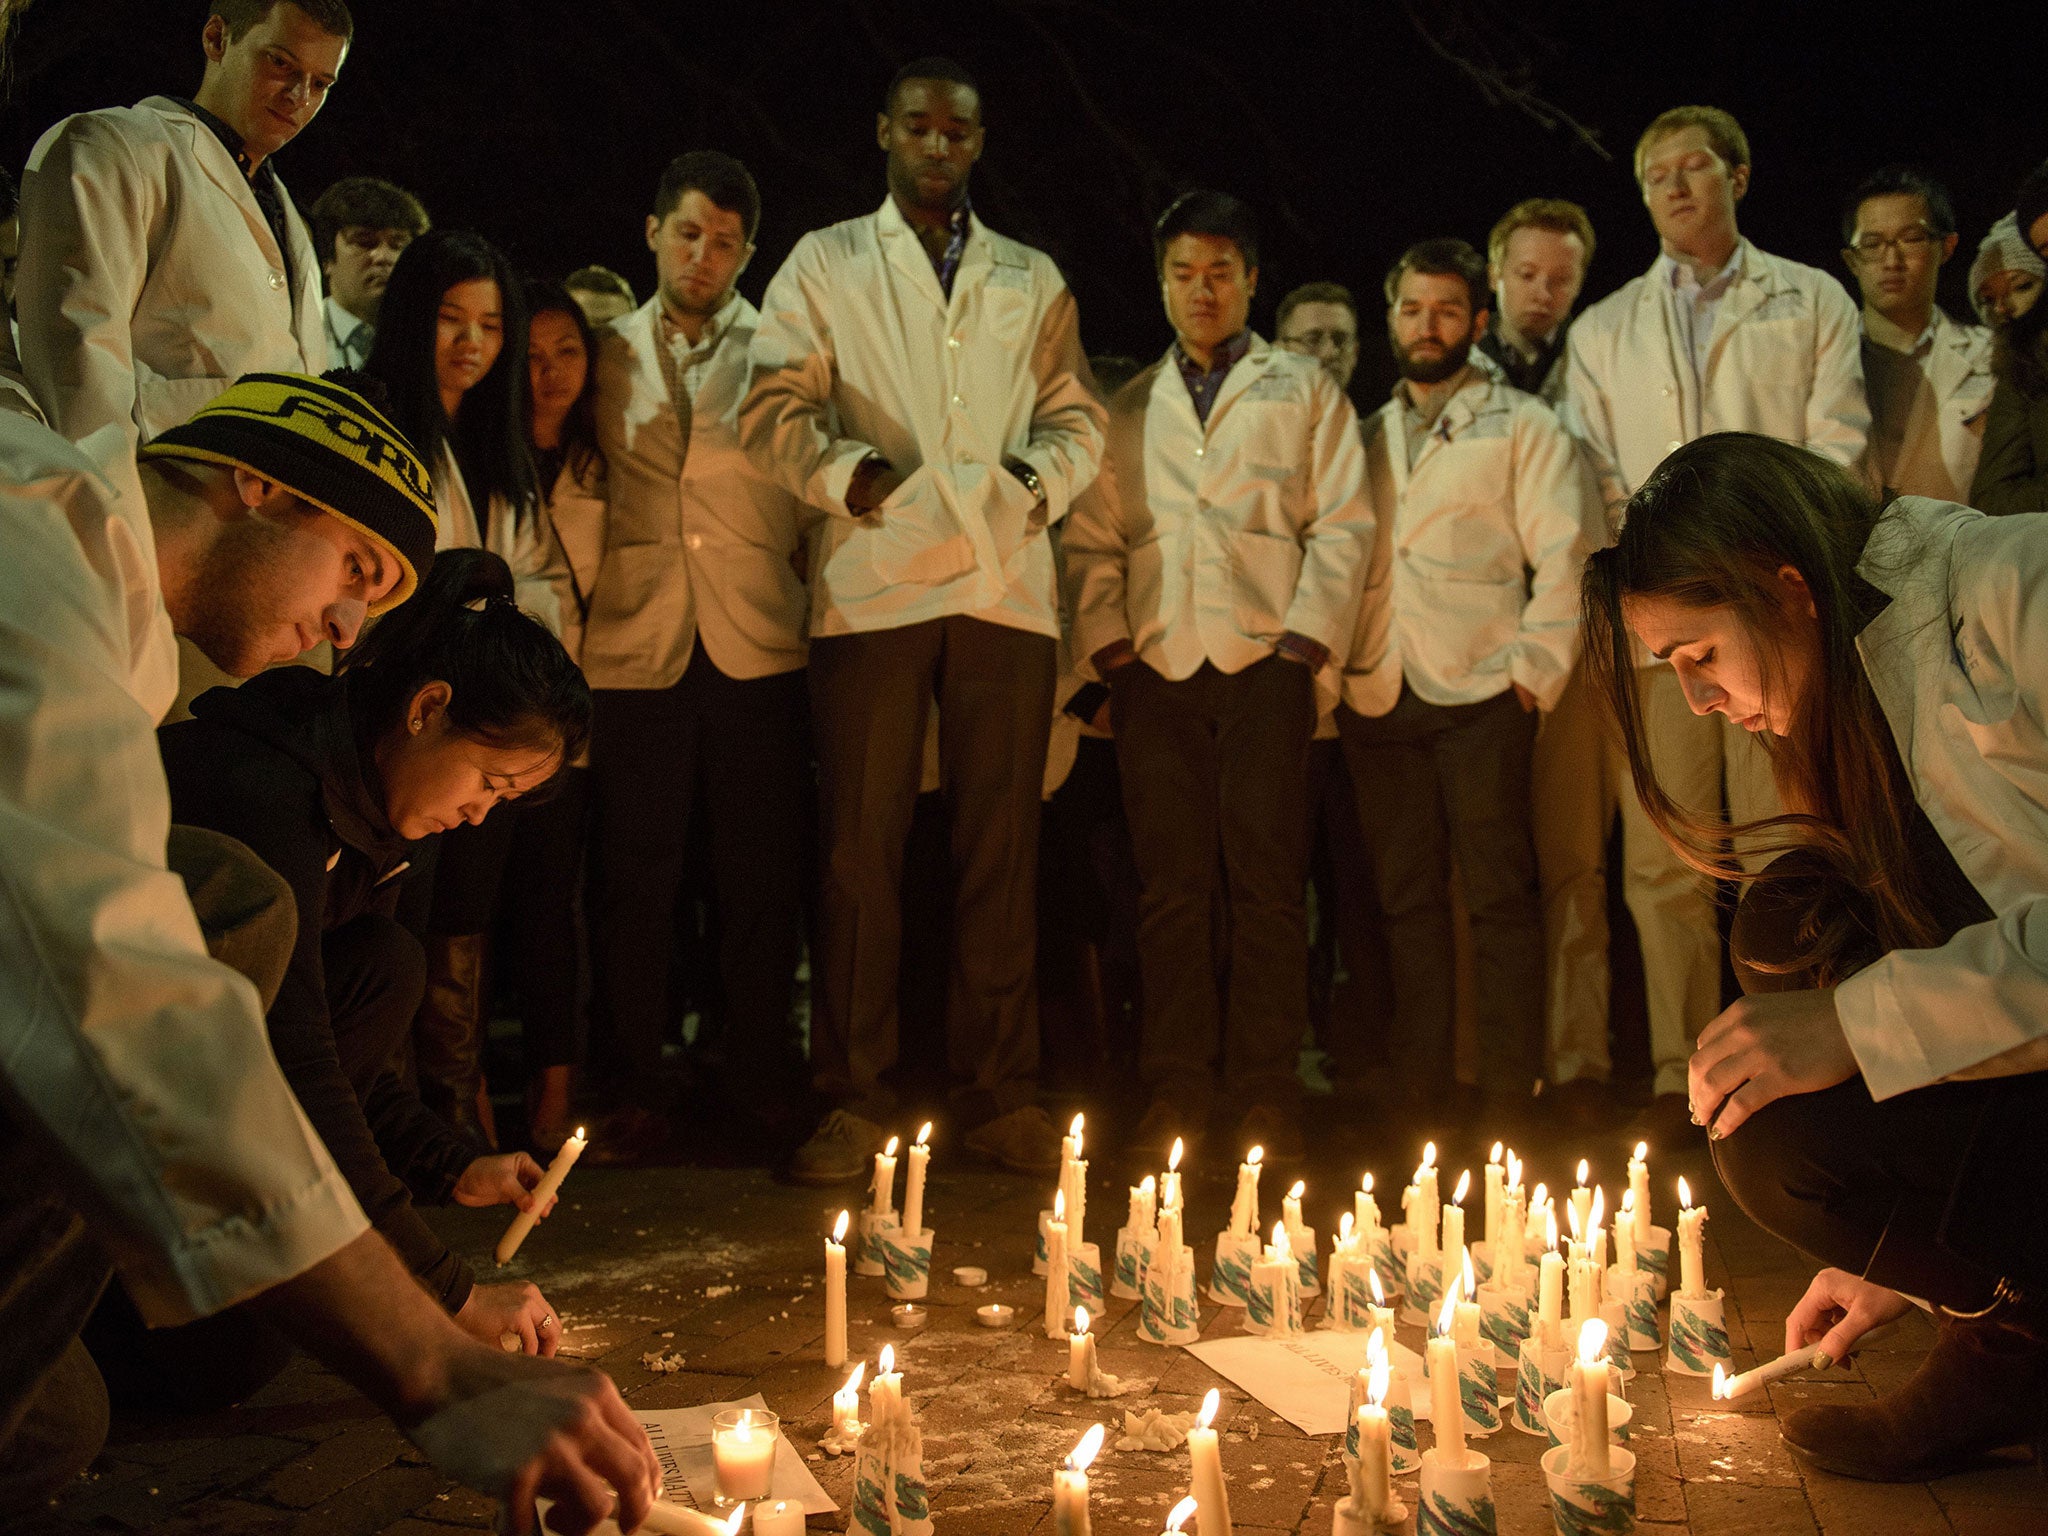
(1504, 79)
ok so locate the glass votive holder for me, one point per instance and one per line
(743, 1454)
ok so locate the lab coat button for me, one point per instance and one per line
(694, 540)
(953, 342)
(1667, 391)
(277, 280)
(958, 401)
(1199, 452)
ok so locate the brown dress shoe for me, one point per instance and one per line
(1983, 1386)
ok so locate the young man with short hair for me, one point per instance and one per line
(1213, 574)
(1487, 513)
(361, 225)
(1536, 261)
(1320, 320)
(161, 257)
(1717, 336)
(1928, 378)
(694, 648)
(919, 380)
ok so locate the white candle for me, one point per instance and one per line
(550, 1184)
(1057, 1283)
(885, 1392)
(1343, 1254)
(743, 1456)
(1290, 1212)
(1212, 1497)
(1270, 1274)
(1376, 1446)
(1596, 1236)
(666, 1519)
(1507, 1246)
(1446, 1407)
(1169, 1185)
(846, 1405)
(1144, 1206)
(1074, 1181)
(1169, 1236)
(1691, 1256)
(913, 1182)
(835, 1293)
(1366, 1210)
(1244, 1205)
(1582, 1201)
(1588, 1458)
(1422, 1217)
(1727, 1388)
(1639, 1186)
(1379, 1316)
(1080, 1352)
(884, 1198)
(1070, 1487)
(1465, 1321)
(785, 1517)
(1496, 1188)
(1454, 1218)
(1625, 1235)
(1550, 1299)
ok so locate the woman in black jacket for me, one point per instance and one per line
(454, 703)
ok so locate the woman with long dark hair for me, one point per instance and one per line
(451, 353)
(454, 704)
(1877, 1098)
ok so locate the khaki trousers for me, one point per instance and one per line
(1574, 784)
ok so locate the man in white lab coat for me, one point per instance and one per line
(1536, 261)
(919, 380)
(1471, 627)
(1716, 336)
(361, 226)
(1214, 573)
(1928, 377)
(161, 257)
(143, 1118)
(694, 649)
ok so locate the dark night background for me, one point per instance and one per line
(1352, 126)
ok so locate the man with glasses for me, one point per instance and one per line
(161, 257)
(1928, 378)
(1320, 320)
(360, 226)
(1717, 336)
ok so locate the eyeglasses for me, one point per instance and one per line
(375, 239)
(1315, 341)
(1909, 242)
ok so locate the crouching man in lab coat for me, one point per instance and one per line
(1213, 573)
(1487, 514)
(142, 1115)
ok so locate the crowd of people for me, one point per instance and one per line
(543, 650)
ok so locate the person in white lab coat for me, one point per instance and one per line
(147, 1120)
(919, 380)
(361, 226)
(1215, 572)
(1470, 627)
(450, 352)
(695, 648)
(161, 256)
(1877, 1098)
(1536, 260)
(1928, 378)
(1716, 336)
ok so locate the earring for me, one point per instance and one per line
(415, 727)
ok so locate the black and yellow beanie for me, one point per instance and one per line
(327, 445)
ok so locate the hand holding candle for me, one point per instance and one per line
(1727, 1388)
(550, 1185)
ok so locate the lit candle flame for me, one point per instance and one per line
(1494, 1155)
(1628, 1202)
(579, 1134)
(1720, 1380)
(1074, 1129)
(1584, 1169)
(1379, 1295)
(1684, 1194)
(1209, 1406)
(1085, 1452)
(1366, 1183)
(1345, 1224)
(1429, 1154)
(1598, 1210)
(744, 1430)
(1376, 1348)
(1280, 1247)
(860, 1369)
(1253, 1157)
(1449, 1310)
(1642, 1150)
(1376, 1383)
(1464, 1187)
(1300, 1189)
(1181, 1513)
(1571, 1214)
(1471, 1285)
(1173, 1158)
(1538, 1195)
(890, 1150)
(924, 1134)
(732, 1521)
(1148, 1184)
(839, 1227)
(1514, 1171)
(1550, 1227)
(1592, 1340)
(888, 1362)
(1059, 1205)
(1080, 1320)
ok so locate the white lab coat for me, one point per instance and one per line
(1959, 662)
(1474, 582)
(574, 510)
(149, 278)
(860, 350)
(140, 1063)
(1785, 360)
(1958, 368)
(527, 545)
(697, 545)
(1207, 543)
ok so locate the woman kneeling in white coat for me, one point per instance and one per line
(1877, 1097)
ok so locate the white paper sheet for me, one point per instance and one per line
(1306, 1379)
(682, 1445)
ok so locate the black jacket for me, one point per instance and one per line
(2012, 473)
(275, 764)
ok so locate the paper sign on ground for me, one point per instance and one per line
(1307, 1379)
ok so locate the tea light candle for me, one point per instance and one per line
(883, 1200)
(1212, 1496)
(1589, 1459)
(1070, 1486)
(743, 1453)
(1244, 1205)
(784, 1517)
(1692, 1268)
(550, 1185)
(835, 1293)
(913, 1181)
(995, 1315)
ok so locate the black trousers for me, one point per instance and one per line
(1935, 1192)
(736, 749)
(871, 697)
(1350, 992)
(1438, 783)
(1215, 781)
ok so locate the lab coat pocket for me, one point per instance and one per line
(1006, 309)
(1266, 567)
(634, 579)
(1010, 507)
(914, 538)
(1470, 622)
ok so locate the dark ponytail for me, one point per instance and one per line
(511, 684)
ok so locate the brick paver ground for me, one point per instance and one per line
(722, 1265)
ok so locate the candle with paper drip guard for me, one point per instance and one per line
(1374, 1488)
(1348, 1268)
(1399, 1405)
(1365, 1212)
(1070, 1486)
(1057, 1281)
(835, 1293)
(885, 1392)
(550, 1185)
(1692, 1267)
(1237, 1245)
(1697, 1339)
(1478, 1385)
(1589, 1458)
(1579, 1276)
(913, 1181)
(1169, 1183)
(1205, 1458)
(1727, 1388)
(1273, 1300)
(1134, 1243)
(1177, 1517)
(1550, 1290)
(1301, 1238)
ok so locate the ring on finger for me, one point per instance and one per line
(548, 1321)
